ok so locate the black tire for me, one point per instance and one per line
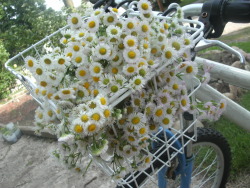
(211, 142)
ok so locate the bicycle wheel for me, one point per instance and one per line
(212, 160)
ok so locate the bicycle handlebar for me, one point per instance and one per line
(238, 12)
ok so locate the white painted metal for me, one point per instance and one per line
(229, 74)
(234, 111)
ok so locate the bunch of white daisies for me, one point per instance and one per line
(102, 55)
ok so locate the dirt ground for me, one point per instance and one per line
(28, 164)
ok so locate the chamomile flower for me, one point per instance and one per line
(191, 68)
(143, 71)
(131, 55)
(91, 128)
(161, 38)
(47, 61)
(176, 43)
(93, 104)
(221, 107)
(39, 71)
(117, 59)
(66, 93)
(130, 69)
(92, 24)
(127, 151)
(102, 51)
(49, 114)
(55, 78)
(130, 24)
(175, 86)
(81, 92)
(184, 103)
(102, 99)
(119, 78)
(130, 42)
(114, 69)
(89, 39)
(95, 69)
(144, 6)
(144, 46)
(75, 21)
(163, 98)
(84, 117)
(169, 55)
(39, 115)
(149, 109)
(60, 62)
(136, 120)
(30, 62)
(109, 19)
(113, 31)
(153, 127)
(107, 112)
(144, 28)
(96, 115)
(142, 131)
(137, 83)
(137, 102)
(147, 16)
(77, 126)
(131, 139)
(98, 12)
(79, 59)
(82, 72)
(158, 112)
(166, 121)
(114, 87)
(105, 80)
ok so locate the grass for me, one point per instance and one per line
(238, 139)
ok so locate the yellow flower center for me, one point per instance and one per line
(166, 26)
(165, 121)
(142, 130)
(50, 113)
(130, 69)
(183, 102)
(76, 48)
(145, 46)
(115, 10)
(137, 102)
(78, 59)
(131, 42)
(168, 54)
(80, 93)
(92, 105)
(135, 120)
(114, 31)
(61, 61)
(114, 89)
(147, 160)
(69, 54)
(175, 86)
(153, 51)
(39, 71)
(44, 92)
(158, 112)
(74, 20)
(130, 25)
(92, 24)
(30, 63)
(110, 19)
(116, 58)
(40, 116)
(43, 83)
(92, 127)
(95, 92)
(114, 70)
(107, 113)
(222, 105)
(144, 6)
(89, 39)
(47, 61)
(176, 45)
(186, 41)
(66, 92)
(169, 111)
(96, 69)
(189, 69)
(146, 15)
(121, 46)
(102, 51)
(97, 12)
(82, 72)
(131, 138)
(103, 101)
(164, 100)
(96, 117)
(78, 129)
(137, 82)
(130, 109)
(144, 28)
(122, 121)
(152, 127)
(84, 118)
(131, 54)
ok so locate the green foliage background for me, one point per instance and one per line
(23, 23)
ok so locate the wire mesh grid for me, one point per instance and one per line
(166, 150)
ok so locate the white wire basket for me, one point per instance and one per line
(181, 133)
